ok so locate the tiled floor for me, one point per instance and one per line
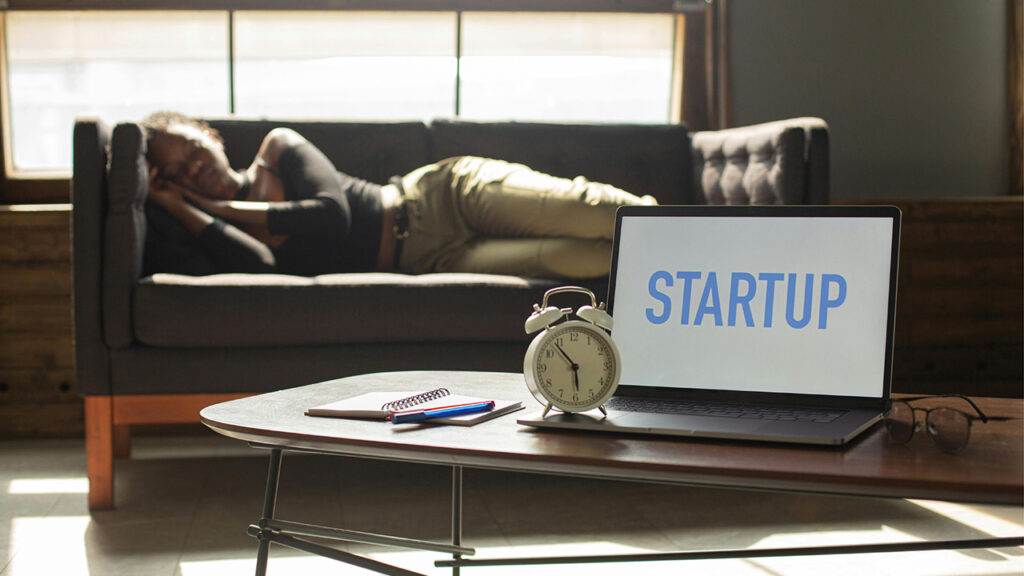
(184, 504)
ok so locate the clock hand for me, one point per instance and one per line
(575, 368)
(566, 356)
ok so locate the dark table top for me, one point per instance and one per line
(990, 469)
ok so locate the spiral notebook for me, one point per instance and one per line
(380, 406)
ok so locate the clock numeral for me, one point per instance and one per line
(549, 353)
(574, 337)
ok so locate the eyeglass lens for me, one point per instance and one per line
(950, 429)
(900, 422)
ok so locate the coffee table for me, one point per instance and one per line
(991, 470)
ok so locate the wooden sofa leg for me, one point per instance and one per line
(99, 451)
(122, 440)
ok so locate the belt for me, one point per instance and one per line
(401, 226)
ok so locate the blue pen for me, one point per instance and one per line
(443, 412)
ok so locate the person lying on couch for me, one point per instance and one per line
(293, 212)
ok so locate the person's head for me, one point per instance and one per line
(189, 153)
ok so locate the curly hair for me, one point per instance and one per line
(164, 119)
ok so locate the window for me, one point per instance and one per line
(567, 66)
(122, 65)
(345, 64)
(114, 65)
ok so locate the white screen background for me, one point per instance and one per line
(847, 358)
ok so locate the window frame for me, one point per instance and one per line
(691, 100)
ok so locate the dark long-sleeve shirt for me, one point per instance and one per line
(332, 222)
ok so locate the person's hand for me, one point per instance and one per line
(171, 195)
(172, 198)
(163, 193)
(204, 202)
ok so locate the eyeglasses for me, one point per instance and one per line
(949, 428)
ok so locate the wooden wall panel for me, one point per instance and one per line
(38, 395)
(960, 307)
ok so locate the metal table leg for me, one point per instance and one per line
(456, 516)
(269, 503)
(283, 532)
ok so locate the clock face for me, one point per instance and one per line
(574, 366)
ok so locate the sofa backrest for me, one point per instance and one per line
(373, 151)
(639, 158)
(643, 159)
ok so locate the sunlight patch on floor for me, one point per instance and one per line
(48, 486)
(975, 517)
(51, 545)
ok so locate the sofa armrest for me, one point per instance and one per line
(784, 162)
(124, 233)
(817, 158)
(88, 197)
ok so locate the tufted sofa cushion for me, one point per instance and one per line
(760, 164)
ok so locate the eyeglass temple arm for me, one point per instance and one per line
(965, 398)
(973, 405)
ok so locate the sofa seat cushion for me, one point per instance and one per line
(253, 310)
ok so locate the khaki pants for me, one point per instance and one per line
(470, 214)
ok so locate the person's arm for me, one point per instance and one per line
(196, 212)
(318, 204)
(231, 249)
(171, 198)
(317, 197)
(253, 214)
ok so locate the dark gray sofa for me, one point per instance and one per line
(154, 345)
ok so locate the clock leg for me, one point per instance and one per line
(546, 409)
(603, 411)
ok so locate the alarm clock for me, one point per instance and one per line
(572, 365)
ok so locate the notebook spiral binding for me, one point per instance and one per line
(411, 401)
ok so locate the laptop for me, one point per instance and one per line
(750, 323)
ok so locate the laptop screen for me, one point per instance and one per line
(781, 300)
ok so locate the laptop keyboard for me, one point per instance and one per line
(724, 410)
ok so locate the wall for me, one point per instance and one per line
(914, 91)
